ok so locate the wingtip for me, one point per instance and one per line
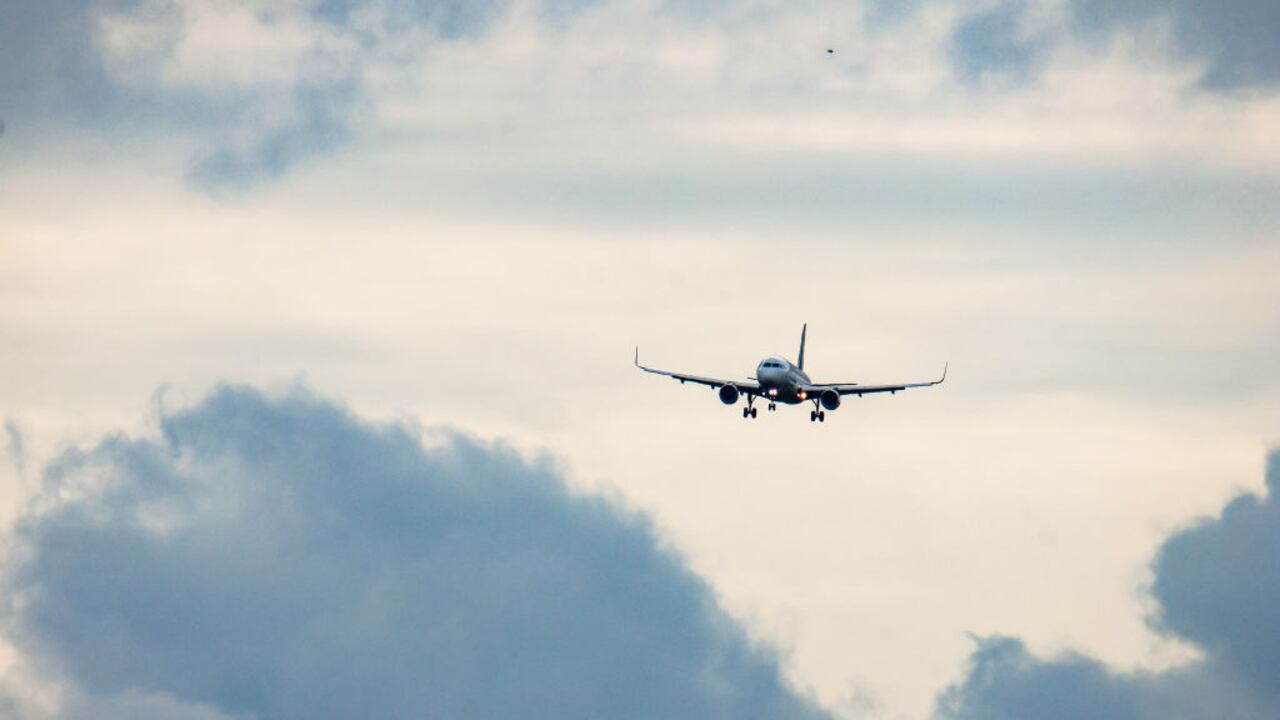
(637, 360)
(944, 372)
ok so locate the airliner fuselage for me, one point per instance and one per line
(780, 381)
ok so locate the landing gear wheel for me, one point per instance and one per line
(822, 416)
(813, 415)
(753, 413)
(746, 412)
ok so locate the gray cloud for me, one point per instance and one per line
(133, 705)
(281, 558)
(992, 42)
(55, 72)
(451, 18)
(269, 151)
(1236, 38)
(50, 62)
(1005, 681)
(14, 445)
(1217, 585)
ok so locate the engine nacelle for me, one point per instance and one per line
(728, 394)
(830, 399)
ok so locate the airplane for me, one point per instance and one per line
(782, 382)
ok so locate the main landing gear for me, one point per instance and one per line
(750, 411)
(817, 414)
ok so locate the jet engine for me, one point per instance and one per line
(830, 399)
(728, 394)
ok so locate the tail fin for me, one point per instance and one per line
(800, 361)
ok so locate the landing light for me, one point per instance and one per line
(803, 395)
(773, 392)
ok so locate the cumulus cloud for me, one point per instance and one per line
(1217, 585)
(281, 558)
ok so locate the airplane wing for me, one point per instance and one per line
(744, 386)
(856, 389)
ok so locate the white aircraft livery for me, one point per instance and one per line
(778, 380)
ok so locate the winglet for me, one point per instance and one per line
(637, 356)
(944, 374)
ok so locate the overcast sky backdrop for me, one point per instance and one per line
(404, 230)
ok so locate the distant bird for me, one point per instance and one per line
(830, 51)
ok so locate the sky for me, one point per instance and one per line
(317, 320)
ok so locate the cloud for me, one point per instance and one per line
(248, 91)
(14, 445)
(1217, 585)
(453, 18)
(1235, 40)
(257, 89)
(114, 68)
(1005, 681)
(993, 42)
(133, 705)
(49, 60)
(267, 150)
(281, 558)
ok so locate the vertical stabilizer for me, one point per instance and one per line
(803, 330)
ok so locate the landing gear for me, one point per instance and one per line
(817, 414)
(749, 411)
(773, 406)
